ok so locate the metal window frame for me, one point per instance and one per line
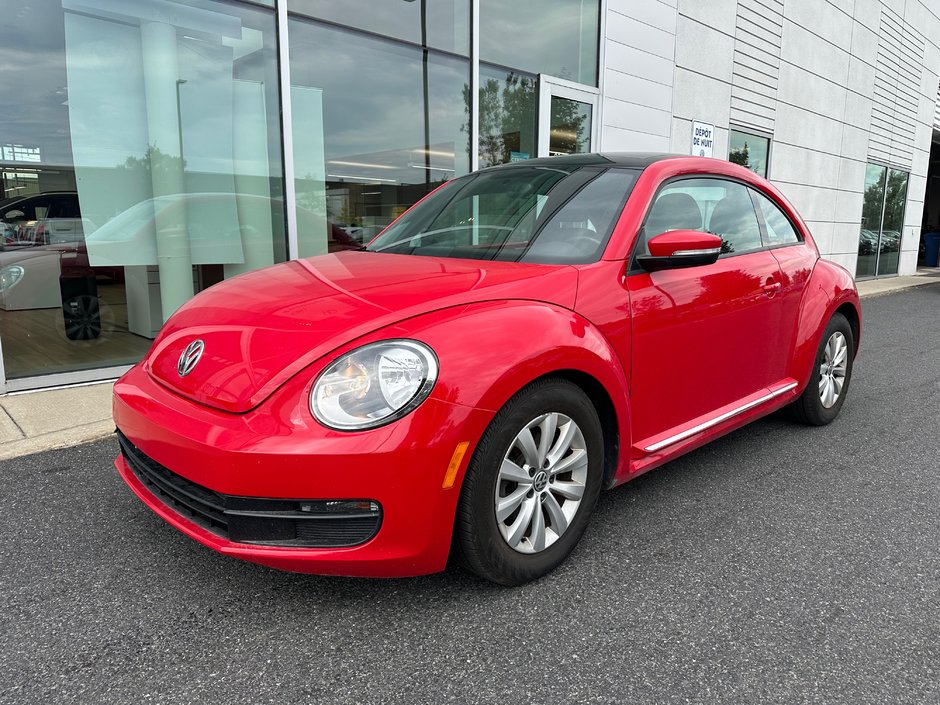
(287, 128)
(550, 86)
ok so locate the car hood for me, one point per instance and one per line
(262, 328)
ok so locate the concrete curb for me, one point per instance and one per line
(57, 439)
(880, 287)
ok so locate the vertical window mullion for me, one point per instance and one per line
(474, 85)
(287, 126)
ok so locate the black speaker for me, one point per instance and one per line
(81, 313)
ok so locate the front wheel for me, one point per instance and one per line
(532, 484)
(824, 395)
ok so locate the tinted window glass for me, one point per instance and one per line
(124, 104)
(557, 37)
(442, 24)
(369, 143)
(579, 231)
(507, 116)
(715, 206)
(751, 151)
(65, 206)
(779, 229)
(530, 214)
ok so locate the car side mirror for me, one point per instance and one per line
(680, 248)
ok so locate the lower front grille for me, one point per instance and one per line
(310, 523)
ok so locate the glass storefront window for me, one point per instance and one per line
(879, 242)
(570, 126)
(556, 37)
(377, 125)
(507, 116)
(749, 150)
(441, 24)
(893, 223)
(140, 163)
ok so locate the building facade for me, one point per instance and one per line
(151, 148)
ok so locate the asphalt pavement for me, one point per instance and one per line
(780, 564)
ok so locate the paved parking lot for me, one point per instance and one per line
(778, 565)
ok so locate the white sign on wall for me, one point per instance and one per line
(703, 139)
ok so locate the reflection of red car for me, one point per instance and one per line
(523, 338)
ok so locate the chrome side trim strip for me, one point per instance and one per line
(717, 420)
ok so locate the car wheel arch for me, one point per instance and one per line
(606, 412)
(830, 290)
(560, 343)
(851, 314)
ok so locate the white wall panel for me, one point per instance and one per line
(637, 100)
(837, 83)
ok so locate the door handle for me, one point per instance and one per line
(771, 288)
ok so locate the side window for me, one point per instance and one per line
(578, 232)
(716, 206)
(780, 230)
(65, 206)
(26, 208)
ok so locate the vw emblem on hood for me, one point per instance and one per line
(190, 357)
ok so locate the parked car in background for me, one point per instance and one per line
(521, 339)
(26, 219)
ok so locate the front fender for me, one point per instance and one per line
(489, 351)
(830, 287)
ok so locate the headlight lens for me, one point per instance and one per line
(10, 275)
(374, 385)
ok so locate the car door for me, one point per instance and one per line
(796, 260)
(703, 337)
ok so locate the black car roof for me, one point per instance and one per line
(632, 160)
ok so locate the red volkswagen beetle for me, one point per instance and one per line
(521, 339)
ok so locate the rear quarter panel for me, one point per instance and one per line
(830, 288)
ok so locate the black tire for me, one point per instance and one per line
(809, 408)
(479, 544)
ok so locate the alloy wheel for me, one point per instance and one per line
(541, 482)
(832, 369)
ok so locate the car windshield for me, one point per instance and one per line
(546, 214)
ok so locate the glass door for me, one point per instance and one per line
(879, 242)
(567, 117)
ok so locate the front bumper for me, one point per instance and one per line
(279, 452)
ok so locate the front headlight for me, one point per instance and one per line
(10, 275)
(374, 385)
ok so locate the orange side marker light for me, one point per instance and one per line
(454, 465)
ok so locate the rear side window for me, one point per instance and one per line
(716, 206)
(780, 230)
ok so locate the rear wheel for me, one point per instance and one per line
(824, 395)
(532, 484)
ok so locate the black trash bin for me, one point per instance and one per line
(80, 309)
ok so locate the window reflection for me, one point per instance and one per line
(749, 150)
(895, 201)
(377, 125)
(556, 37)
(441, 24)
(507, 116)
(879, 242)
(570, 127)
(128, 108)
